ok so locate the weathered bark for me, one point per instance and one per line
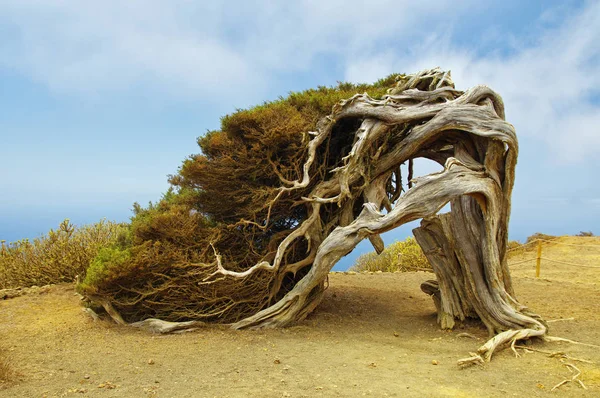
(465, 247)
(448, 291)
(423, 117)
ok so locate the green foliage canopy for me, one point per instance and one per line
(222, 201)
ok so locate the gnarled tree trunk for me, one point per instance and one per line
(424, 116)
(466, 132)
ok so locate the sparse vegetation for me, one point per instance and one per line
(6, 371)
(585, 234)
(399, 256)
(513, 245)
(57, 257)
(514, 248)
(539, 236)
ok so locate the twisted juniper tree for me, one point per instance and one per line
(284, 190)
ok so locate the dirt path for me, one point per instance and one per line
(374, 335)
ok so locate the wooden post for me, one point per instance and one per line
(538, 260)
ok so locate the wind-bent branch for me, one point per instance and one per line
(319, 201)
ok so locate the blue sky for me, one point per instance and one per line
(100, 101)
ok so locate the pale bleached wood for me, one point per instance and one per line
(423, 116)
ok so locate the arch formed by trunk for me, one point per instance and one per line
(423, 116)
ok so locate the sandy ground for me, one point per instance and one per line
(374, 335)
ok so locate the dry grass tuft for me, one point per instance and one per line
(399, 256)
(539, 236)
(57, 257)
(7, 374)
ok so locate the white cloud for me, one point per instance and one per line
(86, 47)
(215, 50)
(371, 68)
(194, 47)
(546, 85)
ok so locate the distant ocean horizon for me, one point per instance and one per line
(37, 222)
(33, 223)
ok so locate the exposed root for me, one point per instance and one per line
(159, 326)
(509, 337)
(110, 310)
(574, 378)
(560, 320)
(474, 359)
(553, 354)
(469, 335)
(553, 339)
(151, 325)
(274, 316)
(91, 313)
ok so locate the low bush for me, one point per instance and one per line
(539, 236)
(515, 248)
(513, 245)
(59, 256)
(585, 234)
(399, 256)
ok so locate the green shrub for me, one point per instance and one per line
(109, 260)
(399, 256)
(59, 256)
(585, 233)
(226, 200)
